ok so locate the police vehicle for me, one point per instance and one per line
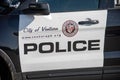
(60, 40)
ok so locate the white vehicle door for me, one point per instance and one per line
(65, 39)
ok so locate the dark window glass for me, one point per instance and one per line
(71, 5)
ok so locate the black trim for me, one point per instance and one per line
(86, 77)
(65, 73)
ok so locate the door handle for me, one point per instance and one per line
(88, 22)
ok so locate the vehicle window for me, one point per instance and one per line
(71, 5)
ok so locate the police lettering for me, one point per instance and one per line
(80, 45)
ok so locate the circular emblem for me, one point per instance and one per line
(70, 28)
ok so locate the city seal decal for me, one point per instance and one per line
(70, 28)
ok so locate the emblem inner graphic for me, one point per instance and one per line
(70, 28)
